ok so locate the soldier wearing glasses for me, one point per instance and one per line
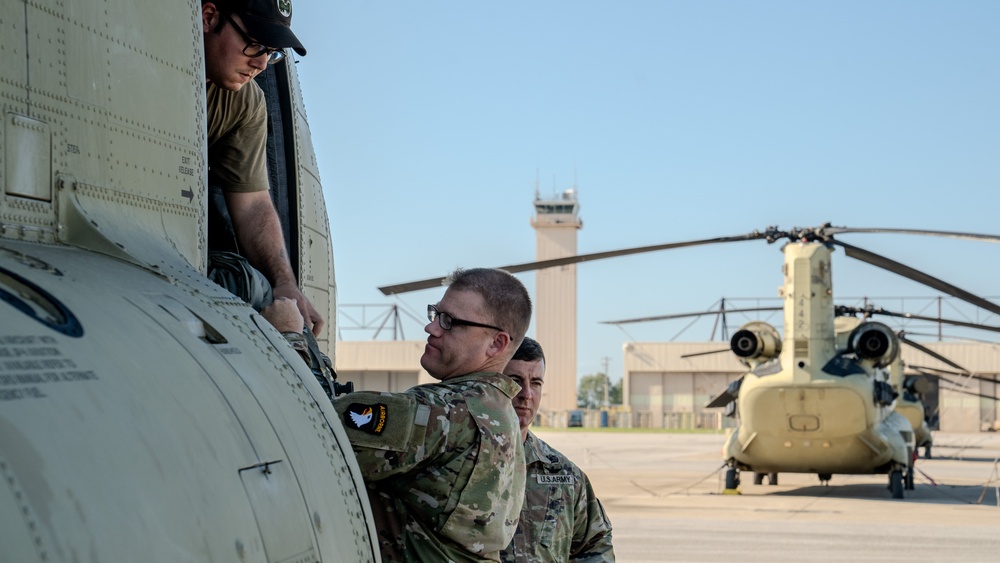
(443, 462)
(241, 38)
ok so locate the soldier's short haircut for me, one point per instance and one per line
(529, 351)
(507, 301)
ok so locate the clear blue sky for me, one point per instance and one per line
(674, 121)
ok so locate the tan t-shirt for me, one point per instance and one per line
(237, 138)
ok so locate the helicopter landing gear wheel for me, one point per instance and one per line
(927, 451)
(824, 479)
(896, 483)
(772, 479)
(732, 479)
(910, 468)
(758, 478)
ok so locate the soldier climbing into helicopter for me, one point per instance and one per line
(241, 38)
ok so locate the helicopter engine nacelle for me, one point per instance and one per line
(875, 342)
(756, 342)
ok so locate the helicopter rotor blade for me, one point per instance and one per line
(841, 310)
(829, 230)
(917, 276)
(771, 234)
(973, 393)
(529, 266)
(730, 394)
(922, 373)
(926, 370)
(721, 400)
(932, 353)
(958, 387)
(694, 314)
(708, 353)
(958, 339)
(922, 369)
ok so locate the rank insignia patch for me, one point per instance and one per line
(367, 418)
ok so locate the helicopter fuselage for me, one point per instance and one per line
(825, 426)
(156, 417)
(818, 408)
(146, 413)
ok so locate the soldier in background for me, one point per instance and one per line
(562, 519)
(443, 461)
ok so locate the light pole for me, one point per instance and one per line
(607, 383)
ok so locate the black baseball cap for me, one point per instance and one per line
(267, 21)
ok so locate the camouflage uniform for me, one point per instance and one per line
(444, 466)
(562, 519)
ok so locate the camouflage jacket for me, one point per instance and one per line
(562, 519)
(444, 466)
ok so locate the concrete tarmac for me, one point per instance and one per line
(663, 494)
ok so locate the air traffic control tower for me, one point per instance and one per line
(556, 222)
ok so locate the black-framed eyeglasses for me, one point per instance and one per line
(254, 49)
(447, 321)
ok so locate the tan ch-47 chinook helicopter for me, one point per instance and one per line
(821, 398)
(758, 345)
(146, 414)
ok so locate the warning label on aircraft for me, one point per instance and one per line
(30, 364)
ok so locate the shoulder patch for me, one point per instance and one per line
(367, 418)
(383, 421)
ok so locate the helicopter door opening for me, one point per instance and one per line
(282, 177)
(281, 152)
